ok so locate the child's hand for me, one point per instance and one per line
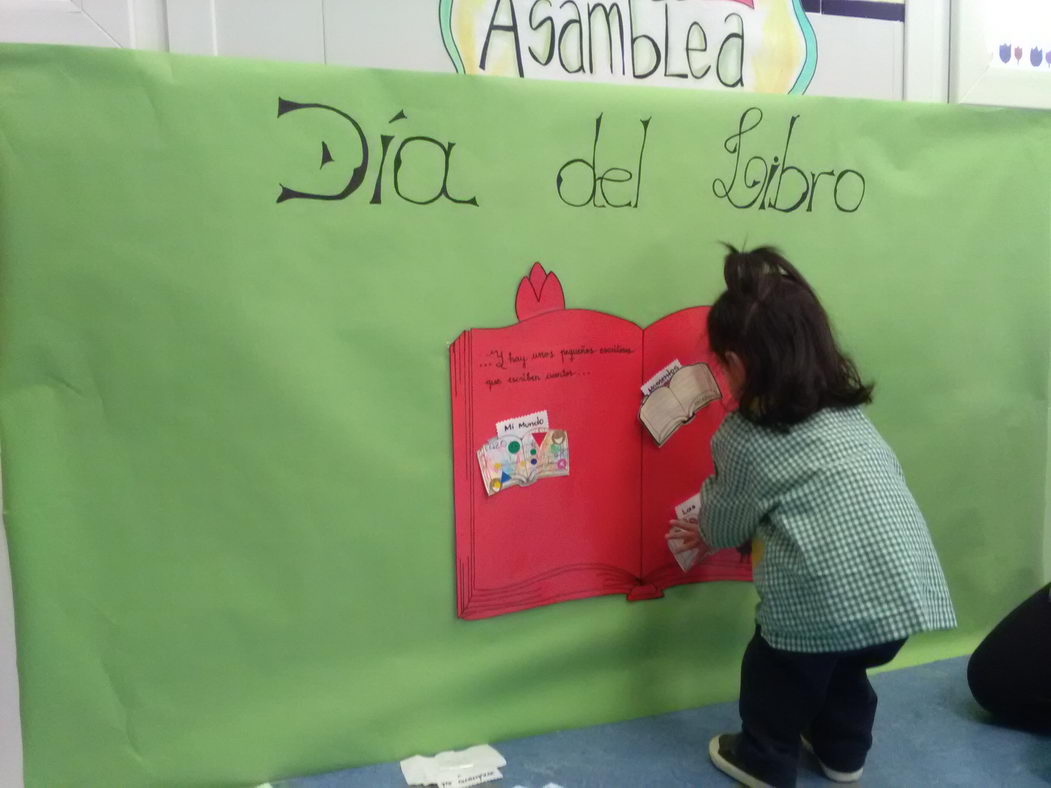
(686, 532)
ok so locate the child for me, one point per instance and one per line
(848, 570)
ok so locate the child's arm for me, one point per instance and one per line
(731, 501)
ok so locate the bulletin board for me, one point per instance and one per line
(228, 291)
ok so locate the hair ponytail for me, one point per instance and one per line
(771, 318)
(749, 273)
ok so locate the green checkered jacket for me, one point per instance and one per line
(847, 559)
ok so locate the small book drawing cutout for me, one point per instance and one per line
(672, 405)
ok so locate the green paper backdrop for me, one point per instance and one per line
(225, 419)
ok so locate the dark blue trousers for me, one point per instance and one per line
(825, 696)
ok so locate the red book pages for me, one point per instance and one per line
(599, 530)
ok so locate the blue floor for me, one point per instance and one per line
(929, 732)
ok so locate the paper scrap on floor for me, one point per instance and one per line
(455, 768)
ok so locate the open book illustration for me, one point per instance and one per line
(671, 405)
(595, 526)
(513, 460)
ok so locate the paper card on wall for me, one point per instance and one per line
(687, 510)
(531, 422)
(519, 460)
(676, 402)
(662, 378)
(686, 558)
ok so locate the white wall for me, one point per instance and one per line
(858, 57)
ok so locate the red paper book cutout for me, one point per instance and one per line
(601, 529)
(539, 292)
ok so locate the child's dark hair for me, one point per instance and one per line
(772, 320)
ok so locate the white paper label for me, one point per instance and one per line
(520, 425)
(661, 378)
(688, 510)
